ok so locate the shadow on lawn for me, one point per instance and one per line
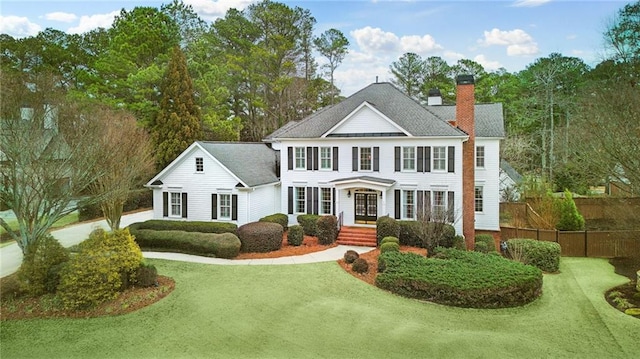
(625, 298)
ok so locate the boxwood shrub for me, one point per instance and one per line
(386, 227)
(390, 239)
(186, 226)
(295, 235)
(409, 233)
(350, 256)
(389, 247)
(484, 243)
(327, 229)
(39, 272)
(309, 224)
(260, 237)
(460, 278)
(541, 254)
(280, 218)
(221, 245)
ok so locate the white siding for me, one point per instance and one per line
(488, 178)
(366, 120)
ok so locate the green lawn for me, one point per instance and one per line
(68, 219)
(317, 310)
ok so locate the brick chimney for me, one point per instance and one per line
(465, 118)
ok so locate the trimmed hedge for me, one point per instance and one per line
(327, 229)
(309, 223)
(279, 218)
(390, 239)
(485, 243)
(460, 278)
(186, 226)
(221, 245)
(541, 254)
(260, 237)
(295, 235)
(386, 227)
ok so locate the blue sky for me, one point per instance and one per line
(509, 34)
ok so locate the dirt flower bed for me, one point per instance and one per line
(625, 296)
(372, 259)
(309, 245)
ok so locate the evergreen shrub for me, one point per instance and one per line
(386, 227)
(327, 229)
(280, 218)
(541, 254)
(389, 239)
(389, 247)
(260, 237)
(410, 233)
(39, 272)
(146, 275)
(295, 235)
(220, 245)
(484, 243)
(186, 226)
(309, 223)
(350, 256)
(360, 265)
(570, 218)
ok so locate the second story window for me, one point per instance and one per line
(408, 158)
(480, 156)
(365, 159)
(199, 164)
(300, 159)
(325, 158)
(440, 158)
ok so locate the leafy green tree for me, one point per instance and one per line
(570, 219)
(333, 45)
(178, 122)
(437, 75)
(190, 26)
(408, 73)
(622, 36)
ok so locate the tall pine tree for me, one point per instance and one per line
(178, 123)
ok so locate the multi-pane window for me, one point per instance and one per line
(325, 158)
(301, 159)
(480, 156)
(300, 200)
(408, 158)
(409, 204)
(365, 158)
(439, 205)
(325, 201)
(199, 164)
(176, 204)
(479, 205)
(224, 201)
(439, 158)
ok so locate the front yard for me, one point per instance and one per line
(318, 310)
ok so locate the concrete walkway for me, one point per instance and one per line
(11, 255)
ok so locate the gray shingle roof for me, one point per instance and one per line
(407, 113)
(253, 163)
(510, 171)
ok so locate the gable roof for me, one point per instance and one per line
(253, 163)
(510, 171)
(408, 114)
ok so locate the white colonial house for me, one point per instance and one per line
(376, 153)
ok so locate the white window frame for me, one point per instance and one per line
(300, 158)
(408, 159)
(326, 200)
(480, 156)
(363, 160)
(199, 165)
(478, 203)
(438, 204)
(439, 158)
(408, 204)
(326, 158)
(224, 205)
(175, 204)
(299, 200)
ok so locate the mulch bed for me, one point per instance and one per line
(309, 245)
(626, 292)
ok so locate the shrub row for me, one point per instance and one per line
(459, 278)
(541, 254)
(260, 237)
(280, 218)
(186, 226)
(415, 233)
(221, 245)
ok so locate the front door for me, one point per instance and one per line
(366, 208)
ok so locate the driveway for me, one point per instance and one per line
(11, 255)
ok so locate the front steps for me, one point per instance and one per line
(357, 236)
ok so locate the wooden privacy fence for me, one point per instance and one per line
(600, 244)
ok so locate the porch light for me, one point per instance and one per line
(348, 194)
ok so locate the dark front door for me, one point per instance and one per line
(366, 207)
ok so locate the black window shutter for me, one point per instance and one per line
(234, 207)
(214, 206)
(333, 200)
(420, 159)
(450, 204)
(290, 158)
(290, 200)
(396, 151)
(315, 158)
(309, 200)
(309, 158)
(397, 204)
(354, 159)
(420, 205)
(427, 159)
(427, 202)
(165, 204)
(184, 205)
(315, 200)
(376, 159)
(335, 158)
(452, 159)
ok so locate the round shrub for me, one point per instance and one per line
(309, 223)
(386, 227)
(260, 237)
(390, 239)
(39, 272)
(360, 266)
(459, 243)
(146, 275)
(327, 229)
(484, 243)
(295, 235)
(389, 247)
(350, 256)
(541, 254)
(280, 218)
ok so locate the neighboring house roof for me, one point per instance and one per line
(510, 171)
(253, 163)
(410, 115)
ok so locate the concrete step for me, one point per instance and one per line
(357, 236)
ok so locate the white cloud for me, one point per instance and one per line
(17, 26)
(376, 41)
(60, 16)
(211, 9)
(517, 41)
(419, 44)
(486, 63)
(529, 3)
(452, 56)
(88, 23)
